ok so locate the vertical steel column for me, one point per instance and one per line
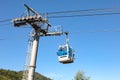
(33, 59)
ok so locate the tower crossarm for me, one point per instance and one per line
(52, 34)
(34, 19)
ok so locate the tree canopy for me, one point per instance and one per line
(14, 75)
(80, 75)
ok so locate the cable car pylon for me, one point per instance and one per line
(41, 28)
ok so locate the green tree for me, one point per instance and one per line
(14, 75)
(81, 76)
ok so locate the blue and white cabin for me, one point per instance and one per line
(65, 54)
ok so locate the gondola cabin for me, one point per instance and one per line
(65, 54)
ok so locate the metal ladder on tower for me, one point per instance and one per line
(28, 56)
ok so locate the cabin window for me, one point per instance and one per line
(62, 51)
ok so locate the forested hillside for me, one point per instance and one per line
(14, 75)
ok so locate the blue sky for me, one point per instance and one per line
(97, 54)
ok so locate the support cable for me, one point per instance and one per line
(7, 20)
(73, 32)
(77, 13)
(87, 10)
(6, 24)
